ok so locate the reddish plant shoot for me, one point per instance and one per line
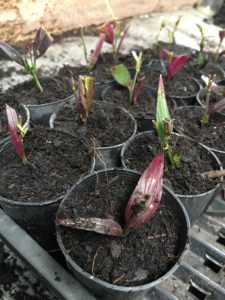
(146, 197)
(34, 50)
(175, 63)
(114, 35)
(93, 58)
(140, 208)
(219, 54)
(17, 140)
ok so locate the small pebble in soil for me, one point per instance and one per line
(115, 249)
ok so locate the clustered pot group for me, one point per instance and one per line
(91, 170)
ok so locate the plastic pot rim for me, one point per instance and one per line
(209, 150)
(117, 287)
(50, 201)
(53, 116)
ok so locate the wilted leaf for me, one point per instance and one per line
(12, 53)
(146, 197)
(103, 226)
(121, 74)
(42, 42)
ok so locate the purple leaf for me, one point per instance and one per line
(217, 107)
(12, 53)
(138, 89)
(103, 226)
(12, 128)
(146, 197)
(96, 52)
(42, 42)
(123, 35)
(176, 65)
(108, 30)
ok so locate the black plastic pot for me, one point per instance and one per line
(37, 218)
(110, 291)
(197, 110)
(179, 99)
(194, 204)
(105, 157)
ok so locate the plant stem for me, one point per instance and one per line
(37, 82)
(131, 91)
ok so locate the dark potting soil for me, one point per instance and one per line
(139, 258)
(107, 125)
(145, 106)
(56, 162)
(101, 71)
(180, 85)
(187, 121)
(184, 179)
(11, 101)
(55, 89)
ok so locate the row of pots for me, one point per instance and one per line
(36, 216)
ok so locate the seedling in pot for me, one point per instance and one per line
(219, 54)
(201, 59)
(162, 25)
(93, 58)
(114, 35)
(164, 124)
(33, 51)
(175, 63)
(141, 206)
(171, 33)
(212, 87)
(84, 95)
(17, 132)
(122, 76)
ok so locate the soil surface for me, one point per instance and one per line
(187, 121)
(185, 178)
(101, 71)
(180, 85)
(55, 89)
(138, 258)
(56, 162)
(107, 124)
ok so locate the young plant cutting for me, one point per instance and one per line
(34, 50)
(119, 226)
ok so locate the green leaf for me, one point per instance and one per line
(121, 74)
(162, 111)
